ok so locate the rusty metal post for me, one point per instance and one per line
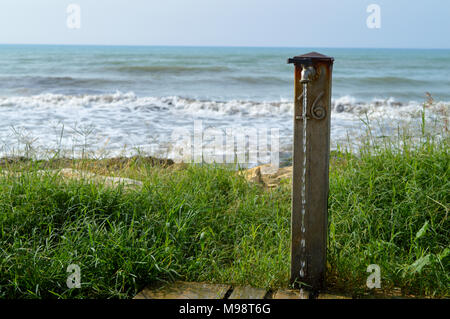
(309, 233)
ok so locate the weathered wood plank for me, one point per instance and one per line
(247, 293)
(140, 295)
(290, 294)
(185, 290)
(330, 296)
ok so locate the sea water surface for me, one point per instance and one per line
(131, 99)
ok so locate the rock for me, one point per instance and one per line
(267, 175)
(107, 180)
(253, 175)
(69, 173)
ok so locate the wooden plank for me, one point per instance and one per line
(140, 295)
(185, 290)
(247, 293)
(330, 296)
(290, 294)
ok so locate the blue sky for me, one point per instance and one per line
(292, 23)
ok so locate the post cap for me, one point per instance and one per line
(309, 58)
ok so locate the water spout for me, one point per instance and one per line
(307, 74)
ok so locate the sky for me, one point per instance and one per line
(269, 23)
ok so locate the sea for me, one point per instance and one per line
(123, 100)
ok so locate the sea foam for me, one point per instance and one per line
(125, 120)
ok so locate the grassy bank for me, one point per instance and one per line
(388, 205)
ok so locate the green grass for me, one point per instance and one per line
(388, 205)
(200, 223)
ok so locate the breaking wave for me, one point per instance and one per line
(119, 100)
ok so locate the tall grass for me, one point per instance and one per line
(201, 223)
(388, 205)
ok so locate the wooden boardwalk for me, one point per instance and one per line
(195, 290)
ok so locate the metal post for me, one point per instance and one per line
(309, 233)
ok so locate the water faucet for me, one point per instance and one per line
(307, 74)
